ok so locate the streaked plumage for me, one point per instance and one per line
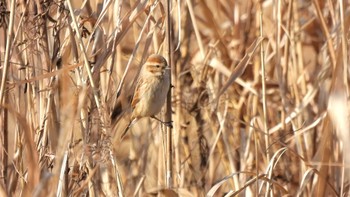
(151, 89)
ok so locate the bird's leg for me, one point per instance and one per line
(168, 124)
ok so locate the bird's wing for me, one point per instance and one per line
(137, 94)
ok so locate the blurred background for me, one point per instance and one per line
(259, 103)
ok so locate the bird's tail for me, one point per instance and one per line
(132, 122)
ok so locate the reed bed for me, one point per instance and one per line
(259, 100)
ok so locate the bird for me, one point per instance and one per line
(151, 90)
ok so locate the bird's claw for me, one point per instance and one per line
(168, 124)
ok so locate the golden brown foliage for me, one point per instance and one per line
(259, 103)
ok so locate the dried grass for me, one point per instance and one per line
(66, 65)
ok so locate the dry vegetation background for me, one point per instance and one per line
(235, 131)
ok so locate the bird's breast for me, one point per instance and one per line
(153, 96)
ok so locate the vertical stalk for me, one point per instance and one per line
(263, 86)
(263, 92)
(169, 160)
(3, 111)
(7, 52)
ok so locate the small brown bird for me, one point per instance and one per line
(151, 90)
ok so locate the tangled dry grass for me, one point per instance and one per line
(259, 104)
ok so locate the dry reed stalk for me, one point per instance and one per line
(3, 98)
(168, 117)
(245, 123)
